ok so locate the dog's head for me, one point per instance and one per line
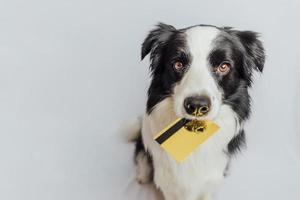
(201, 68)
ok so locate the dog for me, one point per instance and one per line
(201, 67)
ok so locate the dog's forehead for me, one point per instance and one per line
(200, 39)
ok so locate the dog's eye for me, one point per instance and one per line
(223, 68)
(178, 66)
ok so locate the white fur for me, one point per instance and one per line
(131, 129)
(198, 176)
(203, 170)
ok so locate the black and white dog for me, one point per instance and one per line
(200, 67)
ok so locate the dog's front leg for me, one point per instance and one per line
(144, 168)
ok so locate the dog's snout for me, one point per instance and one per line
(197, 105)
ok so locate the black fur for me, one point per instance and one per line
(237, 143)
(244, 52)
(166, 45)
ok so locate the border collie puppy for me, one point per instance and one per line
(195, 67)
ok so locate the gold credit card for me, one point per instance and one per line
(183, 136)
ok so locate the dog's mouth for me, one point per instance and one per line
(196, 118)
(196, 126)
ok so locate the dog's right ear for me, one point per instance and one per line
(156, 40)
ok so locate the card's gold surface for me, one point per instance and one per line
(182, 137)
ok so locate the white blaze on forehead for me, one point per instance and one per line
(200, 41)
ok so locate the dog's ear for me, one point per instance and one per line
(254, 49)
(155, 40)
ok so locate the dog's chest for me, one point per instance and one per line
(202, 169)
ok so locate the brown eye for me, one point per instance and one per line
(178, 66)
(223, 68)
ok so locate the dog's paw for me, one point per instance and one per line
(144, 168)
(143, 178)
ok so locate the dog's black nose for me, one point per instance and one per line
(197, 105)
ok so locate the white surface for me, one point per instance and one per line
(70, 73)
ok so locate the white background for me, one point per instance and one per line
(70, 74)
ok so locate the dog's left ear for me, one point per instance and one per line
(254, 49)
